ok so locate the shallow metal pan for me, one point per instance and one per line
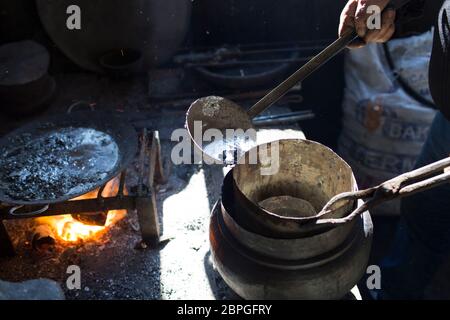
(121, 139)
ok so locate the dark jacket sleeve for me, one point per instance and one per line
(440, 61)
(410, 10)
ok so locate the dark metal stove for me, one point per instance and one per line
(142, 199)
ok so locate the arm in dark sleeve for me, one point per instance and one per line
(416, 16)
(440, 62)
(402, 3)
(409, 10)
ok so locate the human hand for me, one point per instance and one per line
(356, 15)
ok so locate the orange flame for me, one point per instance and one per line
(68, 229)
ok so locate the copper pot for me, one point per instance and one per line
(308, 173)
(326, 264)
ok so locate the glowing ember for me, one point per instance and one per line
(68, 229)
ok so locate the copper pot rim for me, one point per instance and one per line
(304, 220)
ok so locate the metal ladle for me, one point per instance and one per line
(221, 114)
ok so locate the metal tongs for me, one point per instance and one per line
(424, 178)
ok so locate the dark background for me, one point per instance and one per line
(215, 23)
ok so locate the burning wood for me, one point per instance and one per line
(78, 227)
(43, 238)
(93, 219)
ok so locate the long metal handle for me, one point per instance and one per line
(404, 192)
(404, 185)
(283, 118)
(302, 73)
(13, 211)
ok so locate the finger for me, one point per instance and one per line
(357, 43)
(362, 14)
(347, 19)
(347, 23)
(387, 35)
(349, 26)
(387, 21)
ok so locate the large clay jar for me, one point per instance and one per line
(154, 27)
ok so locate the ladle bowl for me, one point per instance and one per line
(218, 115)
